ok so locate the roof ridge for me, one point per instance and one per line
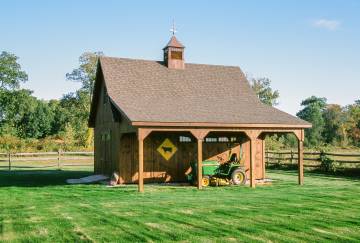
(159, 61)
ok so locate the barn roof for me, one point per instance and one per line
(148, 91)
(173, 42)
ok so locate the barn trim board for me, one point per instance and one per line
(151, 118)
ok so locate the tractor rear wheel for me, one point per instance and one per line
(238, 177)
(205, 181)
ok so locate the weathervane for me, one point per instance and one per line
(173, 29)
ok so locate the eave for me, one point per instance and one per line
(218, 125)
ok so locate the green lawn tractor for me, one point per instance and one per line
(216, 174)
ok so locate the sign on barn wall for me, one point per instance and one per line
(167, 149)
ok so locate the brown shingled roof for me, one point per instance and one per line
(174, 43)
(148, 91)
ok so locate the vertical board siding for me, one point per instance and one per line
(158, 169)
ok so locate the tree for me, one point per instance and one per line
(262, 88)
(353, 124)
(79, 101)
(37, 123)
(73, 110)
(11, 74)
(313, 113)
(86, 72)
(335, 119)
(14, 105)
(13, 102)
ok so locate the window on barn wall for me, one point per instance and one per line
(184, 139)
(106, 145)
(211, 140)
(233, 139)
(223, 139)
(105, 97)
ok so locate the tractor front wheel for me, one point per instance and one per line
(205, 181)
(238, 177)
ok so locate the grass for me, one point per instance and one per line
(39, 207)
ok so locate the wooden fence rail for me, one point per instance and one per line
(312, 158)
(59, 159)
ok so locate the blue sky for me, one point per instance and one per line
(305, 47)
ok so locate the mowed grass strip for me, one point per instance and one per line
(40, 207)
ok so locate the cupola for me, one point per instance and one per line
(174, 53)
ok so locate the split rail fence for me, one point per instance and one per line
(312, 159)
(45, 160)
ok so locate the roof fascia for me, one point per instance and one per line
(210, 124)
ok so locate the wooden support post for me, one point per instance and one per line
(141, 165)
(263, 157)
(58, 159)
(199, 134)
(301, 161)
(199, 165)
(301, 137)
(252, 162)
(252, 135)
(9, 156)
(142, 134)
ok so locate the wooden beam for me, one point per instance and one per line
(301, 162)
(299, 133)
(142, 134)
(252, 135)
(141, 166)
(199, 164)
(252, 162)
(213, 124)
(199, 134)
(194, 131)
(263, 157)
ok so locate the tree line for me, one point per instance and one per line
(332, 124)
(29, 123)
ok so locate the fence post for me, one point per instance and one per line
(9, 156)
(292, 157)
(58, 159)
(266, 158)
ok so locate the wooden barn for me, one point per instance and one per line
(152, 118)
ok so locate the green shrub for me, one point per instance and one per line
(327, 164)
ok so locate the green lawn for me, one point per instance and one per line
(38, 206)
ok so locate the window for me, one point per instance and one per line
(211, 140)
(105, 97)
(176, 55)
(184, 139)
(106, 146)
(223, 139)
(105, 136)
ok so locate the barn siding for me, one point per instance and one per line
(106, 152)
(157, 169)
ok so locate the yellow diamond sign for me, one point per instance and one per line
(167, 149)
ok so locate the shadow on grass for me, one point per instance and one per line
(349, 173)
(39, 178)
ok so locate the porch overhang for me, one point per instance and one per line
(200, 131)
